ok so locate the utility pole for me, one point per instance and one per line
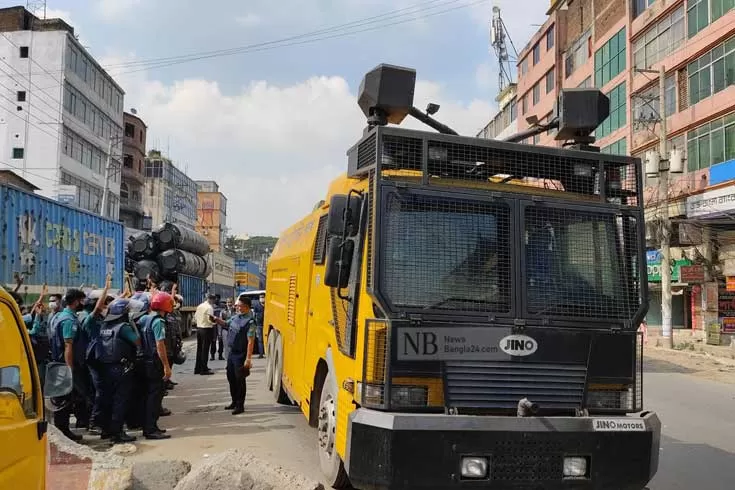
(106, 189)
(665, 226)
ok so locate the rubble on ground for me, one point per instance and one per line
(239, 470)
(159, 475)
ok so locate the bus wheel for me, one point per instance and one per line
(278, 392)
(270, 364)
(329, 460)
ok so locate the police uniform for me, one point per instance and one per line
(65, 327)
(152, 330)
(240, 329)
(91, 324)
(41, 345)
(116, 356)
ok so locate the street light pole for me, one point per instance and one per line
(663, 193)
(106, 189)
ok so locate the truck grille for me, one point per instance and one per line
(501, 384)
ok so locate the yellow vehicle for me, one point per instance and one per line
(463, 313)
(23, 425)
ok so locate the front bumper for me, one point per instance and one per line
(392, 451)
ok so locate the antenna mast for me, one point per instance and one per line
(37, 8)
(506, 62)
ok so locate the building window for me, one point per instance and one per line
(712, 72)
(536, 139)
(617, 117)
(124, 191)
(21, 96)
(700, 13)
(536, 93)
(129, 130)
(660, 40)
(550, 81)
(524, 66)
(577, 55)
(513, 110)
(536, 54)
(620, 147)
(524, 104)
(24, 51)
(711, 143)
(610, 59)
(550, 38)
(128, 161)
(18, 153)
(639, 6)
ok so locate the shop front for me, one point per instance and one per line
(681, 293)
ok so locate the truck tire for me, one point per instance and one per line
(270, 364)
(331, 464)
(279, 394)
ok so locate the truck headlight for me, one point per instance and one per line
(575, 467)
(474, 467)
(409, 396)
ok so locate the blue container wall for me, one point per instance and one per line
(246, 266)
(55, 244)
(192, 289)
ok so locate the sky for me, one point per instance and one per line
(271, 124)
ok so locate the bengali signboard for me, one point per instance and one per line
(714, 202)
(653, 263)
(691, 273)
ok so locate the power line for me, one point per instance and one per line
(29, 101)
(307, 41)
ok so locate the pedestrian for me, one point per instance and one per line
(259, 311)
(240, 341)
(158, 369)
(227, 312)
(39, 336)
(68, 346)
(205, 320)
(115, 352)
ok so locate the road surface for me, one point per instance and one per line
(698, 415)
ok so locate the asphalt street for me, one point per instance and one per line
(698, 416)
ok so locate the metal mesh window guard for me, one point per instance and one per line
(320, 244)
(443, 253)
(574, 264)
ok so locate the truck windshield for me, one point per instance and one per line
(574, 266)
(444, 253)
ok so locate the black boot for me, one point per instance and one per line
(231, 406)
(70, 435)
(123, 437)
(156, 436)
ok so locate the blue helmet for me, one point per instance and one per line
(117, 309)
(138, 307)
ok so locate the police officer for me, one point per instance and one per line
(227, 312)
(240, 340)
(116, 349)
(91, 319)
(157, 367)
(259, 314)
(69, 346)
(139, 307)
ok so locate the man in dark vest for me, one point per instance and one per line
(155, 358)
(69, 345)
(115, 351)
(240, 340)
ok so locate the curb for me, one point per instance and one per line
(692, 354)
(72, 466)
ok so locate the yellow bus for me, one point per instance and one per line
(463, 313)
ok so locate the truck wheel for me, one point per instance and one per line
(269, 366)
(279, 394)
(330, 462)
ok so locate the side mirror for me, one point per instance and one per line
(342, 218)
(339, 263)
(59, 381)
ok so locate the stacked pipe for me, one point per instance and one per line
(166, 252)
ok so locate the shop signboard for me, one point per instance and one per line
(654, 267)
(691, 273)
(711, 203)
(730, 283)
(726, 310)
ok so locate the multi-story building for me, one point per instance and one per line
(619, 46)
(169, 195)
(505, 121)
(131, 187)
(61, 111)
(211, 214)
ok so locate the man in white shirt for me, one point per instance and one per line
(204, 318)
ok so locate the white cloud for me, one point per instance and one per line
(249, 20)
(109, 9)
(273, 149)
(485, 77)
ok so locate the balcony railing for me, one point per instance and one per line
(130, 174)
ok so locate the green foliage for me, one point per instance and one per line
(252, 249)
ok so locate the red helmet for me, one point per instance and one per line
(162, 302)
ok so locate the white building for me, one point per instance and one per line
(505, 122)
(60, 110)
(169, 195)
